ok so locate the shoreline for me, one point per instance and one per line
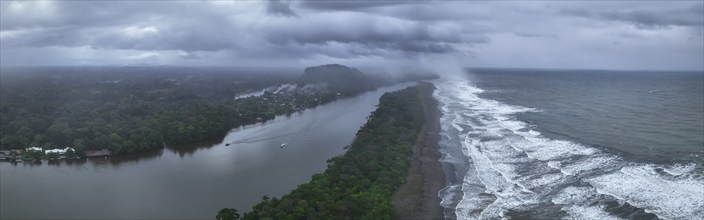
(418, 197)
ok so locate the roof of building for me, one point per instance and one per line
(34, 149)
(59, 151)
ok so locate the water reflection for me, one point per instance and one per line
(189, 149)
(188, 182)
(114, 160)
(133, 158)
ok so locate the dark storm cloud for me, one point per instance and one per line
(315, 31)
(344, 5)
(139, 37)
(280, 7)
(414, 10)
(45, 14)
(374, 32)
(119, 25)
(534, 35)
(189, 27)
(692, 16)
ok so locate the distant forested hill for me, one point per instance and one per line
(134, 109)
(126, 109)
(344, 78)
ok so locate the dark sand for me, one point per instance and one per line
(418, 197)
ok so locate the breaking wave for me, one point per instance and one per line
(499, 167)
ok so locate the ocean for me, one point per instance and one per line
(572, 144)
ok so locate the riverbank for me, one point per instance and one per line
(361, 183)
(418, 197)
(178, 184)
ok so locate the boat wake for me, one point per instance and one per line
(286, 137)
(505, 169)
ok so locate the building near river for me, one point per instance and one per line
(34, 149)
(5, 154)
(59, 151)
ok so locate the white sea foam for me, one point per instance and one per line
(589, 212)
(579, 201)
(574, 195)
(534, 133)
(592, 163)
(446, 195)
(519, 168)
(679, 169)
(449, 158)
(644, 188)
(475, 197)
(548, 150)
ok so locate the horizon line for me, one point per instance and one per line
(299, 66)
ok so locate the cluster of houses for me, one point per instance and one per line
(35, 153)
(10, 154)
(56, 153)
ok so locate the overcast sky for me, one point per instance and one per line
(643, 35)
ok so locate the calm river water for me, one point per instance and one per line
(189, 183)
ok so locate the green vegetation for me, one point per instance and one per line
(33, 155)
(135, 109)
(360, 183)
(126, 109)
(227, 214)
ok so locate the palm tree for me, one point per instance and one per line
(227, 214)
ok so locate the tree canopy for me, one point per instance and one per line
(130, 110)
(360, 183)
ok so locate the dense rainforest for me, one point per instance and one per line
(135, 109)
(126, 109)
(360, 183)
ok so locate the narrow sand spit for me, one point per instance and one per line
(418, 197)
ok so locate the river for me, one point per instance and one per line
(193, 183)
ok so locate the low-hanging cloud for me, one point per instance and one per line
(293, 32)
(280, 7)
(353, 5)
(688, 16)
(372, 31)
(203, 27)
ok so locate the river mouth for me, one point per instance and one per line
(193, 183)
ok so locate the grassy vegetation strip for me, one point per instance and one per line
(360, 183)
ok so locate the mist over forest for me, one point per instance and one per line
(351, 109)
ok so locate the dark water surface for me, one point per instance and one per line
(653, 116)
(553, 144)
(193, 183)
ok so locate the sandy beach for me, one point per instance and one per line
(418, 197)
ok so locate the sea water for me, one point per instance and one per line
(557, 144)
